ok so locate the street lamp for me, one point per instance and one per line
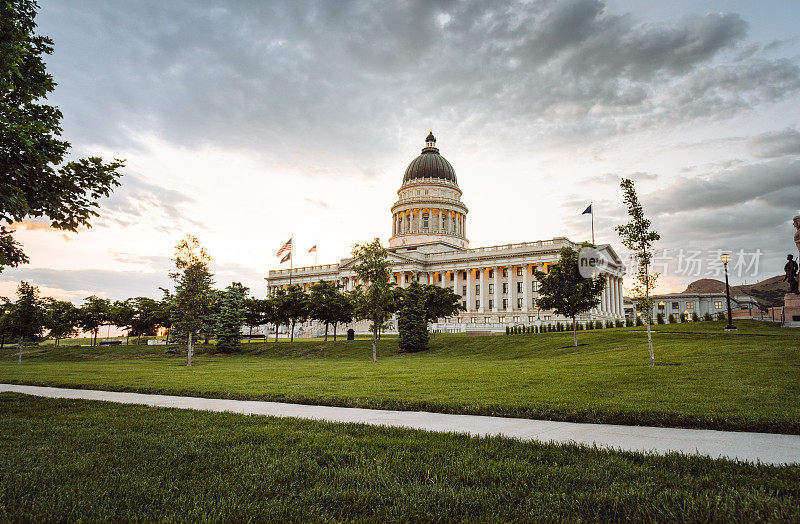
(725, 259)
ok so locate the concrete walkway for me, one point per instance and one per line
(769, 448)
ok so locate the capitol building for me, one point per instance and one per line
(429, 244)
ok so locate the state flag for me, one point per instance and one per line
(287, 257)
(588, 210)
(313, 249)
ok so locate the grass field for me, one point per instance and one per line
(67, 460)
(704, 377)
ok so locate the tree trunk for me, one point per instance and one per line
(57, 339)
(650, 342)
(190, 349)
(276, 332)
(374, 340)
(21, 340)
(251, 334)
(326, 331)
(292, 335)
(574, 333)
(647, 316)
(334, 331)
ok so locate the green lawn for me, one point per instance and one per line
(68, 460)
(704, 377)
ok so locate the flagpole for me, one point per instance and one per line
(291, 259)
(592, 213)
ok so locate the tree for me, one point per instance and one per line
(230, 318)
(60, 318)
(193, 281)
(147, 317)
(639, 238)
(254, 313)
(412, 323)
(374, 298)
(35, 181)
(277, 312)
(27, 315)
(295, 306)
(343, 310)
(6, 320)
(122, 314)
(166, 312)
(93, 313)
(441, 302)
(565, 291)
(329, 305)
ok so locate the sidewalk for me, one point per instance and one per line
(767, 448)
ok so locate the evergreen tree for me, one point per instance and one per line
(411, 322)
(230, 318)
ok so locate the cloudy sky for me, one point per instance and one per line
(243, 122)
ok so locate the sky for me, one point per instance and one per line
(246, 122)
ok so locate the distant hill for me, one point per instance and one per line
(768, 292)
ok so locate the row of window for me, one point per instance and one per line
(436, 192)
(520, 302)
(676, 306)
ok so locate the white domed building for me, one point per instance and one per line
(429, 243)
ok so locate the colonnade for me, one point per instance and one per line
(496, 289)
(429, 220)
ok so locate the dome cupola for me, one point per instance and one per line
(430, 164)
(429, 213)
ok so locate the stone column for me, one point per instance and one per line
(484, 290)
(498, 290)
(470, 291)
(526, 287)
(621, 294)
(512, 289)
(456, 290)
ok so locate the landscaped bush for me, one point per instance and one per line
(695, 318)
(639, 321)
(708, 317)
(660, 318)
(671, 318)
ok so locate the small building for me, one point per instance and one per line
(685, 304)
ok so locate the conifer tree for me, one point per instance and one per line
(230, 318)
(411, 322)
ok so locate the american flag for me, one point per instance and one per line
(286, 247)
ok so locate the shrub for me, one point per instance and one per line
(599, 324)
(412, 326)
(639, 321)
(508, 331)
(671, 318)
(707, 317)
(660, 318)
(695, 318)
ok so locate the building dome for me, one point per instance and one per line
(430, 164)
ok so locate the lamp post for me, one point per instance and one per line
(725, 259)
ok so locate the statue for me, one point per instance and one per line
(796, 223)
(791, 272)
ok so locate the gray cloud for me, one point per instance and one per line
(302, 82)
(776, 143)
(615, 178)
(137, 200)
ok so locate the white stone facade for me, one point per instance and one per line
(428, 243)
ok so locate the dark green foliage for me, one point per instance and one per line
(35, 181)
(236, 468)
(695, 318)
(565, 291)
(296, 306)
(329, 304)
(231, 318)
(660, 318)
(639, 321)
(441, 302)
(628, 322)
(94, 313)
(707, 317)
(412, 324)
(671, 318)
(60, 318)
(508, 330)
(721, 315)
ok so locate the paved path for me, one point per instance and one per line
(769, 448)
